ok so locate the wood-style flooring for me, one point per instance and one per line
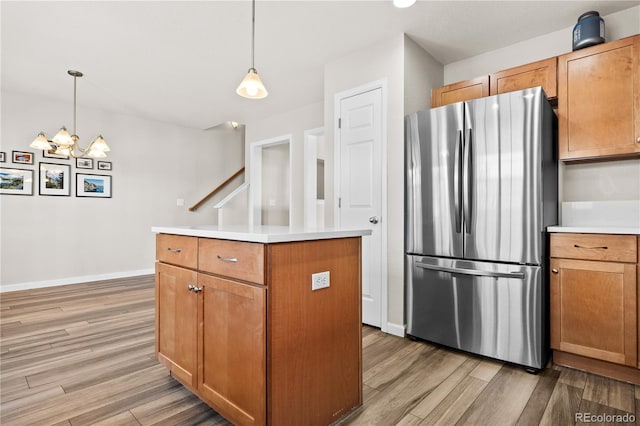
(84, 354)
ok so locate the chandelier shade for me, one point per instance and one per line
(67, 144)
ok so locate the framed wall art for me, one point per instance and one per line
(3, 157)
(22, 157)
(51, 153)
(104, 165)
(88, 185)
(55, 179)
(84, 163)
(16, 181)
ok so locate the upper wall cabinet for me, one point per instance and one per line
(461, 91)
(599, 101)
(540, 73)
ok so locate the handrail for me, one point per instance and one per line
(215, 191)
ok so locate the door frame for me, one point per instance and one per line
(255, 177)
(338, 97)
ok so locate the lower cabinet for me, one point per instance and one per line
(177, 322)
(594, 312)
(232, 356)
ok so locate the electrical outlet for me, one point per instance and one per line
(320, 280)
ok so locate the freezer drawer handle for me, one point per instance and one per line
(519, 275)
(591, 248)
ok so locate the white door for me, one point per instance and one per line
(360, 189)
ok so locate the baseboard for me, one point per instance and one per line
(395, 329)
(73, 280)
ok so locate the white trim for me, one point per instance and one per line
(255, 178)
(395, 329)
(378, 84)
(231, 195)
(74, 280)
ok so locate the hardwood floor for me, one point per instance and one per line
(84, 354)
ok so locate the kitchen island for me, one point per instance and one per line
(262, 323)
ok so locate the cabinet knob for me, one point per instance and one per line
(554, 270)
(197, 289)
(191, 287)
(638, 139)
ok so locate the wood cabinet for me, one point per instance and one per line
(176, 322)
(599, 101)
(541, 73)
(594, 309)
(244, 330)
(232, 360)
(461, 91)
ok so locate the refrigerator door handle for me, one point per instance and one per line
(468, 182)
(475, 272)
(457, 182)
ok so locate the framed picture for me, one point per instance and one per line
(3, 157)
(21, 157)
(88, 185)
(55, 179)
(16, 181)
(84, 163)
(104, 165)
(51, 153)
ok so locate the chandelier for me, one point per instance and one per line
(251, 86)
(65, 144)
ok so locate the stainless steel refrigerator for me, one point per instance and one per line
(481, 188)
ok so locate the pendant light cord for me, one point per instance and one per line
(253, 31)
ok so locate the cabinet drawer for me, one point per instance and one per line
(605, 247)
(177, 250)
(243, 261)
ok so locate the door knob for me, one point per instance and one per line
(374, 219)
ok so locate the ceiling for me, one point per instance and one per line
(180, 61)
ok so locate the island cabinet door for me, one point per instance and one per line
(176, 322)
(593, 309)
(232, 355)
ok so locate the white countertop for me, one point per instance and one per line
(260, 234)
(595, 230)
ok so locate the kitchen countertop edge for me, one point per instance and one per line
(260, 234)
(595, 230)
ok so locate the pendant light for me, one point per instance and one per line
(251, 86)
(66, 144)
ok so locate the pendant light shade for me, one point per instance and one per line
(251, 86)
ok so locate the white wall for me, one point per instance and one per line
(383, 61)
(275, 185)
(603, 181)
(617, 25)
(292, 123)
(51, 240)
(421, 73)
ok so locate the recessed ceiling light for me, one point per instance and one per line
(403, 3)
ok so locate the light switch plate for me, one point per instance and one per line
(320, 280)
